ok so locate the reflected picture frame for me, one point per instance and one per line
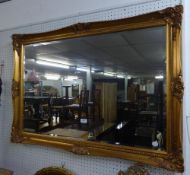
(172, 158)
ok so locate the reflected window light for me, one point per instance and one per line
(52, 64)
(54, 61)
(52, 76)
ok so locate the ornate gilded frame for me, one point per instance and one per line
(170, 159)
(53, 171)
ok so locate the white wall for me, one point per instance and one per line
(26, 159)
(186, 75)
(23, 12)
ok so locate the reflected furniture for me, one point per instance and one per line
(96, 105)
(80, 109)
(37, 111)
(75, 90)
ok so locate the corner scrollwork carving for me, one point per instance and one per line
(173, 162)
(178, 87)
(15, 89)
(54, 170)
(16, 136)
(173, 14)
(80, 27)
(80, 151)
(16, 43)
(136, 169)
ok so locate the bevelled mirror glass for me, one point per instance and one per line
(105, 88)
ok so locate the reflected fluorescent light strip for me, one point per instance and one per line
(41, 44)
(85, 69)
(52, 64)
(159, 77)
(52, 76)
(54, 61)
(71, 78)
(120, 76)
(82, 69)
(110, 74)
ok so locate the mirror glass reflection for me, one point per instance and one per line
(106, 88)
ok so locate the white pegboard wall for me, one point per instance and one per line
(103, 15)
(27, 159)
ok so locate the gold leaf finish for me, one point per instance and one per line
(173, 161)
(173, 15)
(178, 87)
(53, 171)
(16, 136)
(15, 88)
(170, 158)
(80, 151)
(81, 27)
(137, 169)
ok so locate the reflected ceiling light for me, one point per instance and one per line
(129, 77)
(121, 125)
(110, 74)
(30, 59)
(52, 64)
(159, 77)
(92, 71)
(37, 44)
(120, 76)
(41, 44)
(52, 76)
(54, 61)
(82, 69)
(71, 78)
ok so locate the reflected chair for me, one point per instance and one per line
(78, 110)
(83, 104)
(57, 107)
(75, 90)
(96, 100)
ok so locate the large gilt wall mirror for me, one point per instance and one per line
(109, 88)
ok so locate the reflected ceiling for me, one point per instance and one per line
(133, 52)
